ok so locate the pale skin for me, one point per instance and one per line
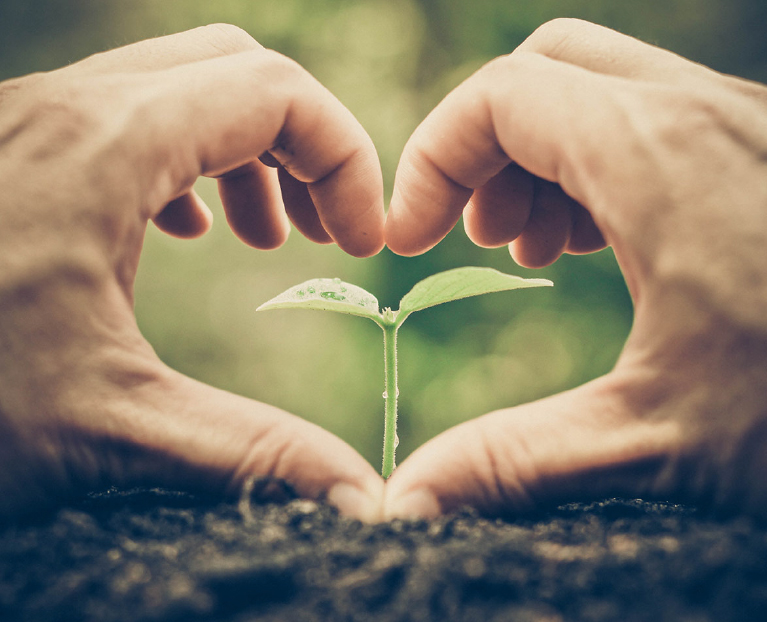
(88, 155)
(583, 137)
(580, 138)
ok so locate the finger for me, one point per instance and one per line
(548, 227)
(431, 186)
(498, 211)
(253, 207)
(585, 236)
(609, 52)
(169, 51)
(214, 116)
(185, 217)
(300, 208)
(580, 445)
(194, 437)
(523, 108)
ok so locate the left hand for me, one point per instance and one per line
(88, 155)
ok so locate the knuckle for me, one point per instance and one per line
(495, 70)
(753, 90)
(80, 118)
(228, 38)
(279, 68)
(286, 79)
(16, 86)
(552, 34)
(57, 109)
(683, 113)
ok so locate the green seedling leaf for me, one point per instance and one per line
(329, 295)
(346, 298)
(460, 283)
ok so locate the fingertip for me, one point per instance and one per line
(528, 257)
(399, 237)
(425, 206)
(366, 250)
(253, 206)
(498, 211)
(548, 227)
(363, 502)
(586, 236)
(300, 208)
(205, 215)
(415, 504)
(349, 203)
(187, 217)
(368, 238)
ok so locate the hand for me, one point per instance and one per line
(89, 154)
(583, 136)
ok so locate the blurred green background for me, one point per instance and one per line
(389, 62)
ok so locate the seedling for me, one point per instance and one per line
(336, 295)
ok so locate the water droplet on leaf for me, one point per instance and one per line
(300, 293)
(385, 395)
(396, 440)
(332, 296)
(310, 290)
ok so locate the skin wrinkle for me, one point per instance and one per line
(140, 126)
(344, 162)
(514, 496)
(492, 164)
(431, 162)
(582, 44)
(283, 150)
(278, 72)
(625, 144)
(556, 35)
(164, 173)
(499, 106)
(648, 195)
(167, 51)
(253, 457)
(229, 39)
(9, 88)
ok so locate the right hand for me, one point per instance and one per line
(578, 138)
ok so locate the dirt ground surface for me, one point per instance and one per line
(151, 554)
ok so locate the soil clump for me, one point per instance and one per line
(151, 554)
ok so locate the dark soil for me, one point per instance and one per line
(152, 554)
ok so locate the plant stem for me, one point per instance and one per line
(390, 398)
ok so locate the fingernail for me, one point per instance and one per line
(363, 504)
(416, 504)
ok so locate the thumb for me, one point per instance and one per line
(584, 443)
(190, 435)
